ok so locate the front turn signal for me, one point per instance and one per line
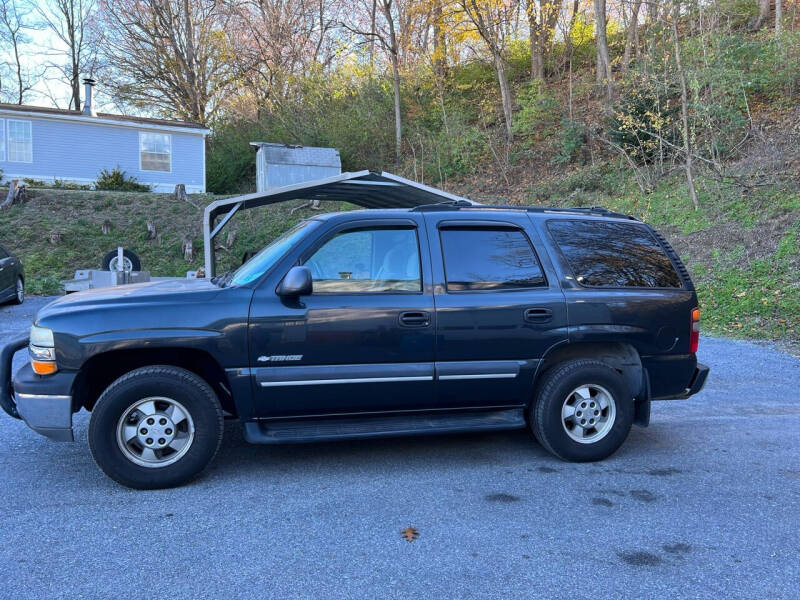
(41, 367)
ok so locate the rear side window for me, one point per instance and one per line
(608, 254)
(489, 259)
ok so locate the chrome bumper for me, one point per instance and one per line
(49, 415)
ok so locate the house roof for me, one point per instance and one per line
(44, 110)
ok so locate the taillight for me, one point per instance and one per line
(694, 332)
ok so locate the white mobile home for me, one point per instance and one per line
(51, 144)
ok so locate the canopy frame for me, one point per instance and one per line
(367, 189)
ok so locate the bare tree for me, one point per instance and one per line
(276, 40)
(14, 25)
(542, 17)
(687, 142)
(385, 29)
(630, 37)
(69, 21)
(167, 55)
(603, 62)
(763, 13)
(493, 20)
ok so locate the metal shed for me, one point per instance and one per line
(362, 188)
(278, 165)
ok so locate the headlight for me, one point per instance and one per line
(42, 337)
(42, 351)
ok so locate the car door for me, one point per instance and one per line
(7, 277)
(498, 309)
(362, 342)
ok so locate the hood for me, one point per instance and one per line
(155, 292)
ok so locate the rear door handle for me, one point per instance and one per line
(538, 315)
(415, 319)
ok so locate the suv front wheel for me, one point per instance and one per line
(583, 411)
(155, 427)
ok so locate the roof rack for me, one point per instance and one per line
(449, 205)
(598, 211)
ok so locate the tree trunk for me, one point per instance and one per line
(630, 38)
(537, 51)
(76, 87)
(398, 122)
(541, 33)
(505, 93)
(568, 36)
(439, 43)
(187, 248)
(11, 197)
(603, 63)
(763, 13)
(394, 52)
(372, 36)
(778, 16)
(687, 143)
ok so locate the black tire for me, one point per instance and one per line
(557, 385)
(177, 384)
(136, 264)
(18, 284)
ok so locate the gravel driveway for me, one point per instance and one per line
(702, 504)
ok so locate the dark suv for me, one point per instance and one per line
(445, 318)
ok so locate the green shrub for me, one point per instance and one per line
(539, 112)
(61, 184)
(31, 182)
(644, 112)
(571, 138)
(116, 180)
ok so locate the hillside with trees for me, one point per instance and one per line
(683, 113)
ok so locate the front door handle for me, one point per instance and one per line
(538, 315)
(415, 319)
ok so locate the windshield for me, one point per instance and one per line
(261, 262)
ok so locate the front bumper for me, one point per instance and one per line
(44, 403)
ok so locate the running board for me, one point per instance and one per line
(340, 428)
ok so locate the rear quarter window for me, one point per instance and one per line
(610, 254)
(497, 258)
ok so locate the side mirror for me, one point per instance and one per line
(297, 282)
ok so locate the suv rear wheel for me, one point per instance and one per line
(155, 427)
(583, 411)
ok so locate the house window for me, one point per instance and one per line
(2, 140)
(155, 151)
(20, 141)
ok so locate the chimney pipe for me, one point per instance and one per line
(88, 101)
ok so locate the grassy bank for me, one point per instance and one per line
(78, 216)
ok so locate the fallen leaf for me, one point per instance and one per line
(410, 534)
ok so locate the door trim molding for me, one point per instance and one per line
(351, 380)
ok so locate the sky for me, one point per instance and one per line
(50, 90)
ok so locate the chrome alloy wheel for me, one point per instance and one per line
(20, 290)
(588, 413)
(155, 432)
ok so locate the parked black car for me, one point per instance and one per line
(444, 318)
(12, 278)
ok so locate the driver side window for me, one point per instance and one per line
(368, 260)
